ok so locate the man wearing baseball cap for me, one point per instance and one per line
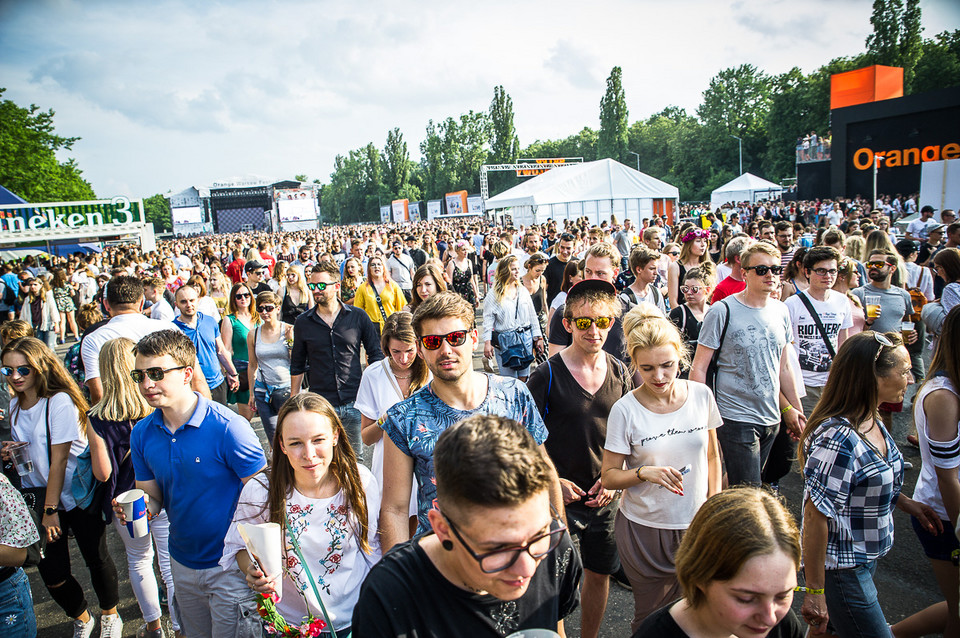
(256, 273)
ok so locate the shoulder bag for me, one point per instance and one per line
(516, 346)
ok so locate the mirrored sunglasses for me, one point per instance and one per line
(433, 342)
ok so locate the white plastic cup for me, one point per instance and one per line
(134, 505)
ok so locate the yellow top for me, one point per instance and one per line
(391, 297)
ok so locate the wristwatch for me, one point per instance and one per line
(49, 511)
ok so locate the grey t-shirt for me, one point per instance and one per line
(748, 367)
(894, 305)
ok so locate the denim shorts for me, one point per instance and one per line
(939, 546)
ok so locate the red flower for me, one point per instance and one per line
(342, 510)
(291, 562)
(263, 612)
(335, 558)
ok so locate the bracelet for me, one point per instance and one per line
(810, 590)
(786, 409)
(642, 480)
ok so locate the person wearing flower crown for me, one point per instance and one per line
(327, 505)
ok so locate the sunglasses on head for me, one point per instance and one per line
(23, 371)
(433, 342)
(154, 374)
(584, 323)
(763, 270)
(321, 286)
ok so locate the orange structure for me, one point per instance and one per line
(870, 84)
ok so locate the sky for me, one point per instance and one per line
(168, 94)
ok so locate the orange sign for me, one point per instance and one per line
(870, 84)
(529, 172)
(864, 158)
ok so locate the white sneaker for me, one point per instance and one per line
(111, 626)
(83, 629)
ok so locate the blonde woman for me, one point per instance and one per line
(296, 298)
(278, 281)
(693, 254)
(40, 310)
(509, 308)
(219, 289)
(645, 451)
(379, 295)
(111, 421)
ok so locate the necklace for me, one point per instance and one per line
(399, 377)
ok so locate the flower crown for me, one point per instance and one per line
(696, 233)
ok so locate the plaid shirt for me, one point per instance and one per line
(848, 481)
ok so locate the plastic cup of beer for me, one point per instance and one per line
(20, 455)
(906, 328)
(873, 306)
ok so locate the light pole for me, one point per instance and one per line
(638, 159)
(740, 142)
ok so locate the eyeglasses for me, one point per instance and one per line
(674, 253)
(242, 295)
(23, 371)
(154, 374)
(321, 286)
(690, 290)
(501, 559)
(263, 309)
(433, 342)
(584, 323)
(763, 270)
(823, 272)
(876, 265)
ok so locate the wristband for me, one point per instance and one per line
(642, 480)
(810, 590)
(786, 409)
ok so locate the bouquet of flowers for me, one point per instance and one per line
(277, 625)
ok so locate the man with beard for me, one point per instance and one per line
(446, 340)
(326, 346)
(785, 243)
(556, 266)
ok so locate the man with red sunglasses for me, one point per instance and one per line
(447, 339)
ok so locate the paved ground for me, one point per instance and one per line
(904, 578)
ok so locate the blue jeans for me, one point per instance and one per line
(350, 418)
(49, 337)
(745, 447)
(215, 603)
(852, 602)
(268, 418)
(16, 607)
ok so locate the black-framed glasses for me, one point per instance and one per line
(433, 342)
(876, 265)
(501, 559)
(263, 309)
(584, 323)
(763, 270)
(321, 286)
(23, 371)
(154, 374)
(242, 295)
(690, 290)
(824, 272)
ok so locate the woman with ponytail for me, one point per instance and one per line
(327, 506)
(647, 450)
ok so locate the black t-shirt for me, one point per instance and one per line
(614, 344)
(660, 624)
(554, 276)
(688, 325)
(405, 596)
(260, 287)
(576, 420)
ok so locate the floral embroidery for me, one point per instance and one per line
(338, 527)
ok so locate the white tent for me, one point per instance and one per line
(746, 188)
(592, 189)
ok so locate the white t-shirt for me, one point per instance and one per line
(325, 531)
(208, 306)
(378, 392)
(676, 440)
(131, 325)
(920, 277)
(162, 310)
(31, 425)
(723, 271)
(836, 314)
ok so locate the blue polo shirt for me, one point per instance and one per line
(198, 468)
(204, 338)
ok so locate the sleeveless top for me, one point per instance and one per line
(239, 343)
(539, 299)
(289, 311)
(273, 360)
(934, 454)
(680, 275)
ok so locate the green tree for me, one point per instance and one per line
(612, 141)
(939, 64)
(896, 39)
(302, 177)
(156, 209)
(504, 143)
(396, 162)
(28, 156)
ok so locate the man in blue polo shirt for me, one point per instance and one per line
(204, 332)
(192, 457)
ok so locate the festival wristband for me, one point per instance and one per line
(810, 590)
(642, 480)
(786, 409)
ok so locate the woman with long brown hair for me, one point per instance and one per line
(327, 506)
(379, 295)
(50, 414)
(242, 317)
(40, 310)
(427, 281)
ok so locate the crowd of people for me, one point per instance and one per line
(641, 391)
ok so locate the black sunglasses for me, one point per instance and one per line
(154, 374)
(763, 270)
(433, 342)
(242, 295)
(24, 371)
(262, 309)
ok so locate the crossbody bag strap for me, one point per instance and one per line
(383, 313)
(819, 324)
(303, 563)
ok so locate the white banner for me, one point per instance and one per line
(296, 204)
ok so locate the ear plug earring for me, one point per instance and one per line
(447, 545)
